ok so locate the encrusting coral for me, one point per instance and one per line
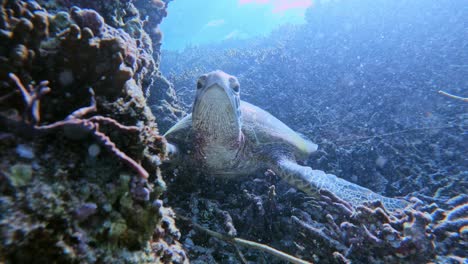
(72, 83)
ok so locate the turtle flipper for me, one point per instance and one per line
(311, 181)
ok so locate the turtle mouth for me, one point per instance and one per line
(215, 111)
(214, 99)
(215, 93)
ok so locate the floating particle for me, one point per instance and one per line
(94, 150)
(25, 151)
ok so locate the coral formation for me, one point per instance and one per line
(140, 19)
(80, 182)
(62, 197)
(164, 103)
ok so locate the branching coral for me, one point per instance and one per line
(323, 229)
(31, 97)
(373, 230)
(419, 233)
(75, 120)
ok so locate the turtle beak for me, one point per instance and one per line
(216, 90)
(215, 94)
(216, 80)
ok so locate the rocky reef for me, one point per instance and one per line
(83, 101)
(79, 147)
(363, 86)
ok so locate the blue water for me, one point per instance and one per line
(193, 22)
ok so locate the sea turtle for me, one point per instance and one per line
(227, 137)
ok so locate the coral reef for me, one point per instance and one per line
(364, 87)
(80, 148)
(80, 151)
(324, 230)
(141, 19)
(161, 94)
(164, 103)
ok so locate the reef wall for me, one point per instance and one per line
(79, 147)
(363, 86)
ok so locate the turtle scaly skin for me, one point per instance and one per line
(227, 137)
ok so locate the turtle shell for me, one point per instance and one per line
(267, 129)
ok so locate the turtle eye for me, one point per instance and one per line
(234, 84)
(236, 88)
(201, 82)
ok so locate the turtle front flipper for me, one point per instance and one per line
(311, 181)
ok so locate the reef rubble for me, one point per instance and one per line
(323, 230)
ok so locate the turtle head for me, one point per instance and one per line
(216, 111)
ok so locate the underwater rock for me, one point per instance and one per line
(129, 16)
(161, 94)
